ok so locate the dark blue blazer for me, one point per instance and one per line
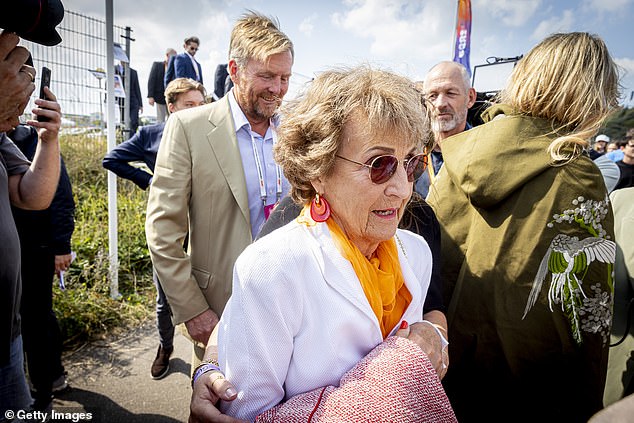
(180, 66)
(220, 77)
(142, 147)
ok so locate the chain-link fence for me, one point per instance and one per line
(78, 66)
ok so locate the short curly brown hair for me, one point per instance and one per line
(181, 86)
(312, 125)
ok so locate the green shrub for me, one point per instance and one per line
(85, 308)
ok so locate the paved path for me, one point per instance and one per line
(111, 380)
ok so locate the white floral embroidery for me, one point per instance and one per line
(596, 312)
(568, 259)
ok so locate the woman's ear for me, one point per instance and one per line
(318, 185)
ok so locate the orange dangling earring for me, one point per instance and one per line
(319, 209)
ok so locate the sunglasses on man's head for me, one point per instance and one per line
(382, 168)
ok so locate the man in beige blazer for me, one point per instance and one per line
(210, 166)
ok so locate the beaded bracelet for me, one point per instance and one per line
(205, 367)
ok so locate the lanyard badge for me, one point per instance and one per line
(278, 175)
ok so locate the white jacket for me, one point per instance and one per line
(298, 318)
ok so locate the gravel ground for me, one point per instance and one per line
(111, 380)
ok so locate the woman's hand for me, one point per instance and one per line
(426, 337)
(50, 109)
(207, 390)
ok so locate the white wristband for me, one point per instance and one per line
(443, 340)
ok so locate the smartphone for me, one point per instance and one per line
(45, 81)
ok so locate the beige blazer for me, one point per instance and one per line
(198, 179)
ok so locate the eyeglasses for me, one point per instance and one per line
(381, 168)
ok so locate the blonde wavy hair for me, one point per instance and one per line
(571, 80)
(257, 36)
(312, 126)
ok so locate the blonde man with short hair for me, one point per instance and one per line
(177, 96)
(181, 94)
(216, 178)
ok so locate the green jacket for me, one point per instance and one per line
(527, 264)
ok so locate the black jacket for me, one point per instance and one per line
(222, 82)
(155, 85)
(53, 226)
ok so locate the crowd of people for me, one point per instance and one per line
(361, 252)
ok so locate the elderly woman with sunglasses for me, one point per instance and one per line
(316, 296)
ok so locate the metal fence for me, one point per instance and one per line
(78, 66)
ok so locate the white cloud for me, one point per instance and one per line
(307, 25)
(399, 28)
(511, 13)
(555, 24)
(627, 79)
(627, 70)
(607, 5)
(407, 36)
(626, 63)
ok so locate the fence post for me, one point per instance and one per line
(113, 254)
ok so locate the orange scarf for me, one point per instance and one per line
(381, 278)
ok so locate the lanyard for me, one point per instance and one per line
(430, 167)
(258, 166)
(431, 171)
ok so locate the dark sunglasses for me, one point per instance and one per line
(381, 168)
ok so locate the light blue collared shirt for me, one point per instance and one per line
(265, 151)
(616, 155)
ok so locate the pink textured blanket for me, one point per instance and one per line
(394, 383)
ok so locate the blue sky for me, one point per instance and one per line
(407, 37)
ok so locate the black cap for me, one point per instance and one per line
(33, 20)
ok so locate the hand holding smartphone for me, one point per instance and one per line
(45, 81)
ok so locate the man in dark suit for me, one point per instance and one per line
(222, 81)
(156, 86)
(184, 65)
(182, 93)
(135, 99)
